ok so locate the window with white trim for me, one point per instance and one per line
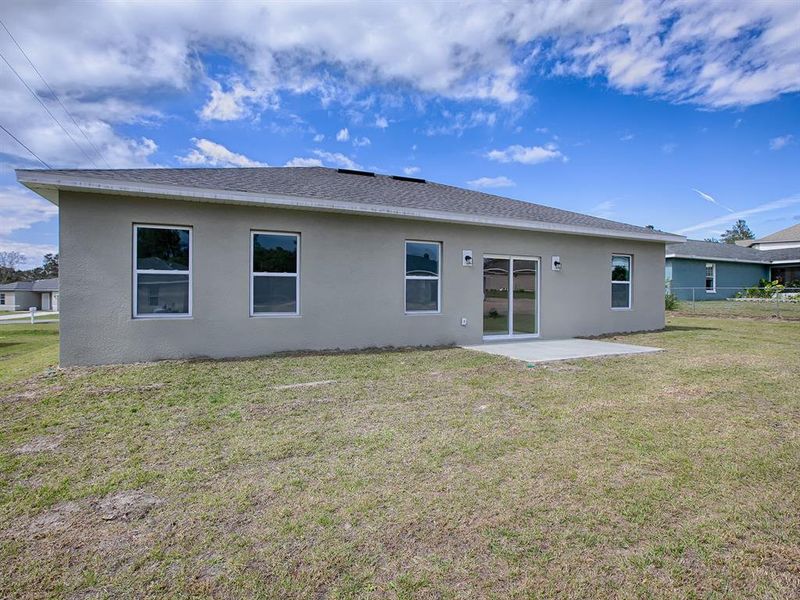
(711, 278)
(423, 273)
(162, 271)
(274, 274)
(2, 298)
(621, 281)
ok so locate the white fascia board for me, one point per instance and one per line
(718, 259)
(48, 184)
(785, 262)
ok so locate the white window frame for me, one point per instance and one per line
(437, 278)
(713, 289)
(253, 275)
(137, 272)
(2, 297)
(629, 282)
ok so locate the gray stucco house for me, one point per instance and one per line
(22, 295)
(697, 270)
(171, 263)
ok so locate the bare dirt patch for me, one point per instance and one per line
(126, 506)
(45, 443)
(103, 391)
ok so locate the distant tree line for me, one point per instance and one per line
(11, 261)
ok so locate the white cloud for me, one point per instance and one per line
(211, 154)
(343, 135)
(21, 209)
(782, 141)
(337, 159)
(491, 182)
(33, 253)
(319, 137)
(127, 55)
(711, 199)
(527, 155)
(604, 210)
(303, 162)
(360, 142)
(727, 220)
(411, 170)
(627, 137)
(235, 103)
(458, 123)
(381, 122)
(669, 147)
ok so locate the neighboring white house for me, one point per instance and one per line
(780, 240)
(178, 263)
(22, 295)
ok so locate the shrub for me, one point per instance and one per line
(765, 289)
(670, 301)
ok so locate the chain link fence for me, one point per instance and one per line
(771, 302)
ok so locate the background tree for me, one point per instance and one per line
(9, 261)
(711, 239)
(739, 231)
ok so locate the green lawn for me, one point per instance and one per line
(439, 473)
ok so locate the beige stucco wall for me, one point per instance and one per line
(21, 300)
(10, 301)
(351, 290)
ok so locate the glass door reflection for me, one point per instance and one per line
(510, 288)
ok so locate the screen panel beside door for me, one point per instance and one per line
(510, 296)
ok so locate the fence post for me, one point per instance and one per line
(33, 313)
(777, 305)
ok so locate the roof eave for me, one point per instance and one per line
(48, 185)
(718, 259)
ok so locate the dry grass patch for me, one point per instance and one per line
(431, 473)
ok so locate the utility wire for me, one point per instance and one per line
(35, 95)
(52, 91)
(16, 139)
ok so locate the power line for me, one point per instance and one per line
(52, 91)
(35, 95)
(16, 139)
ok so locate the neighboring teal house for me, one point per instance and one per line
(699, 270)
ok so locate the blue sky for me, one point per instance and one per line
(683, 115)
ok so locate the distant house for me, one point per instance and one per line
(714, 271)
(21, 295)
(780, 240)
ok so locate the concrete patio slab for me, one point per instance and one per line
(538, 351)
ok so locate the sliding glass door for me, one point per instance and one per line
(510, 296)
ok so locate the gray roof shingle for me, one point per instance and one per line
(37, 285)
(330, 184)
(700, 249)
(790, 234)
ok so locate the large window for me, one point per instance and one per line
(711, 278)
(275, 274)
(162, 271)
(423, 269)
(620, 281)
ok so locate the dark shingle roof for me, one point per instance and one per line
(716, 250)
(785, 254)
(37, 285)
(329, 184)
